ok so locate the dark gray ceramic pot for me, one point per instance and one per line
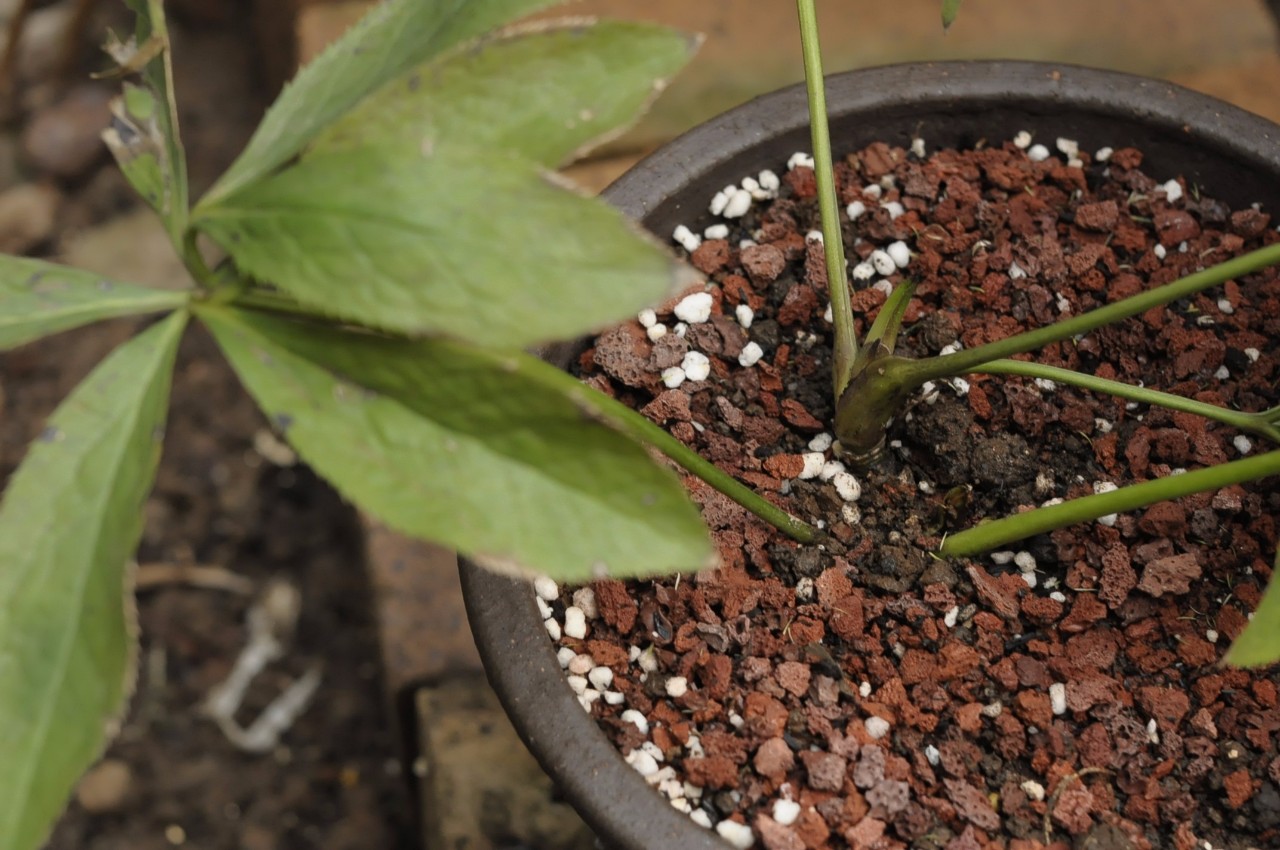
(1231, 154)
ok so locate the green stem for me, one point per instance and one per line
(1256, 423)
(637, 427)
(973, 358)
(999, 532)
(846, 344)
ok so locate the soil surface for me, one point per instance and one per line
(226, 498)
(863, 694)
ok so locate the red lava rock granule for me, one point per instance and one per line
(863, 694)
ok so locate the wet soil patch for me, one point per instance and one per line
(865, 694)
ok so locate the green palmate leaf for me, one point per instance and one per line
(144, 137)
(950, 8)
(493, 454)
(544, 93)
(69, 522)
(387, 43)
(39, 298)
(1259, 643)
(456, 241)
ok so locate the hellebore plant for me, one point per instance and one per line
(373, 266)
(872, 383)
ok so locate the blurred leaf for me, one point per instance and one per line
(950, 8)
(393, 38)
(1259, 643)
(69, 522)
(144, 137)
(455, 241)
(493, 454)
(39, 298)
(544, 93)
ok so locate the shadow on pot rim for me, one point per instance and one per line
(1233, 154)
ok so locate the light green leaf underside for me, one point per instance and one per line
(1259, 643)
(950, 9)
(542, 94)
(488, 453)
(393, 38)
(39, 298)
(477, 246)
(69, 522)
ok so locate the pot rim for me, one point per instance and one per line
(1214, 143)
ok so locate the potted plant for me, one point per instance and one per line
(1219, 152)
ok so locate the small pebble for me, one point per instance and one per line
(694, 308)
(994, 709)
(575, 622)
(877, 727)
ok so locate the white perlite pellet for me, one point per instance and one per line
(1172, 190)
(894, 208)
(656, 332)
(1001, 558)
(813, 464)
(1159, 251)
(1037, 153)
(932, 754)
(953, 614)
(601, 677)
(701, 818)
(847, 486)
(1025, 561)
(1103, 154)
(800, 159)
(687, 238)
(1211, 635)
(577, 684)
(1016, 272)
(585, 598)
(1253, 354)
(882, 262)
(614, 697)
(1034, 790)
(745, 315)
(785, 812)
(672, 377)
(831, 469)
(1030, 579)
(553, 628)
(1022, 140)
(696, 366)
(1243, 444)
(737, 834)
(738, 204)
(543, 608)
(1069, 147)
(643, 763)
(716, 231)
(581, 665)
(856, 210)
(769, 181)
(1105, 487)
(565, 655)
(1226, 306)
(821, 442)
(899, 253)
(1058, 698)
(546, 588)
(877, 727)
(694, 308)
(750, 354)
(647, 318)
(917, 147)
(1153, 731)
(575, 622)
(637, 719)
(1222, 374)
(864, 271)
(864, 690)
(814, 236)
(677, 686)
